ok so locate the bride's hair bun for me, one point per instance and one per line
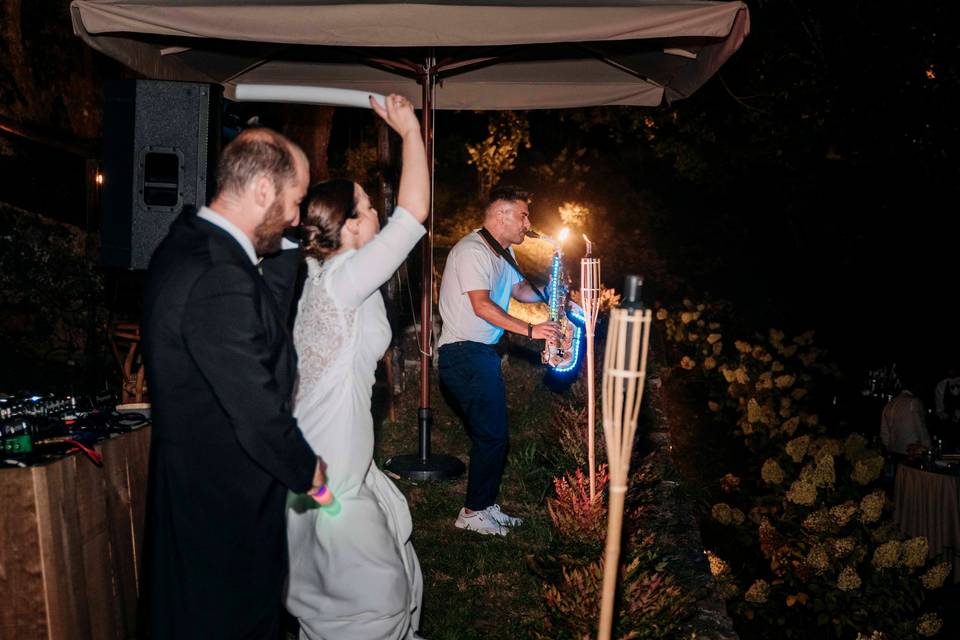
(324, 210)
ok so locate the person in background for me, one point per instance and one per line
(946, 397)
(946, 402)
(903, 425)
(475, 292)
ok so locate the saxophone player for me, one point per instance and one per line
(478, 281)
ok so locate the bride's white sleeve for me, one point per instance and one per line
(373, 263)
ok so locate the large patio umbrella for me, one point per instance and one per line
(466, 54)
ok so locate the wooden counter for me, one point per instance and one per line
(70, 537)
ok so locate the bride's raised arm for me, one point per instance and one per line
(377, 260)
(414, 193)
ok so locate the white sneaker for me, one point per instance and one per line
(479, 521)
(504, 519)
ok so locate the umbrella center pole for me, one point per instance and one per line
(425, 465)
(426, 79)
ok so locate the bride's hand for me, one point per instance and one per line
(319, 475)
(398, 113)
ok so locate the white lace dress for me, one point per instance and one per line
(355, 575)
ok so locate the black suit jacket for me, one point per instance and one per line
(225, 447)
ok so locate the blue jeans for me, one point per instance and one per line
(471, 373)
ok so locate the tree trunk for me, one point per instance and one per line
(310, 126)
(386, 176)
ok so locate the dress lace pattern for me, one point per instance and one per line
(323, 339)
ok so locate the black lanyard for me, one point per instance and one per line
(503, 253)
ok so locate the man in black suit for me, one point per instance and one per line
(221, 368)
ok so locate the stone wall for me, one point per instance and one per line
(674, 515)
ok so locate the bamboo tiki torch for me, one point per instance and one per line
(624, 372)
(590, 297)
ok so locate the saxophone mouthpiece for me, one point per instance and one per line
(530, 233)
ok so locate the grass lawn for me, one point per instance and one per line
(491, 587)
(480, 586)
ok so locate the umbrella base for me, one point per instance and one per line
(435, 467)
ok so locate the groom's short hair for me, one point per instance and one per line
(256, 152)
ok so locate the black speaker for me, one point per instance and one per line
(160, 145)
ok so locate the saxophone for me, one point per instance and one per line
(561, 355)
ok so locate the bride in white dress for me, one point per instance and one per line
(353, 575)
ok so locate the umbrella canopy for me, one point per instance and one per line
(527, 54)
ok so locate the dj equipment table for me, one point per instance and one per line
(70, 541)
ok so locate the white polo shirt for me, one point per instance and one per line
(471, 266)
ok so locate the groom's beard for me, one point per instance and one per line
(268, 235)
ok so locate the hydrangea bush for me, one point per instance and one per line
(805, 539)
